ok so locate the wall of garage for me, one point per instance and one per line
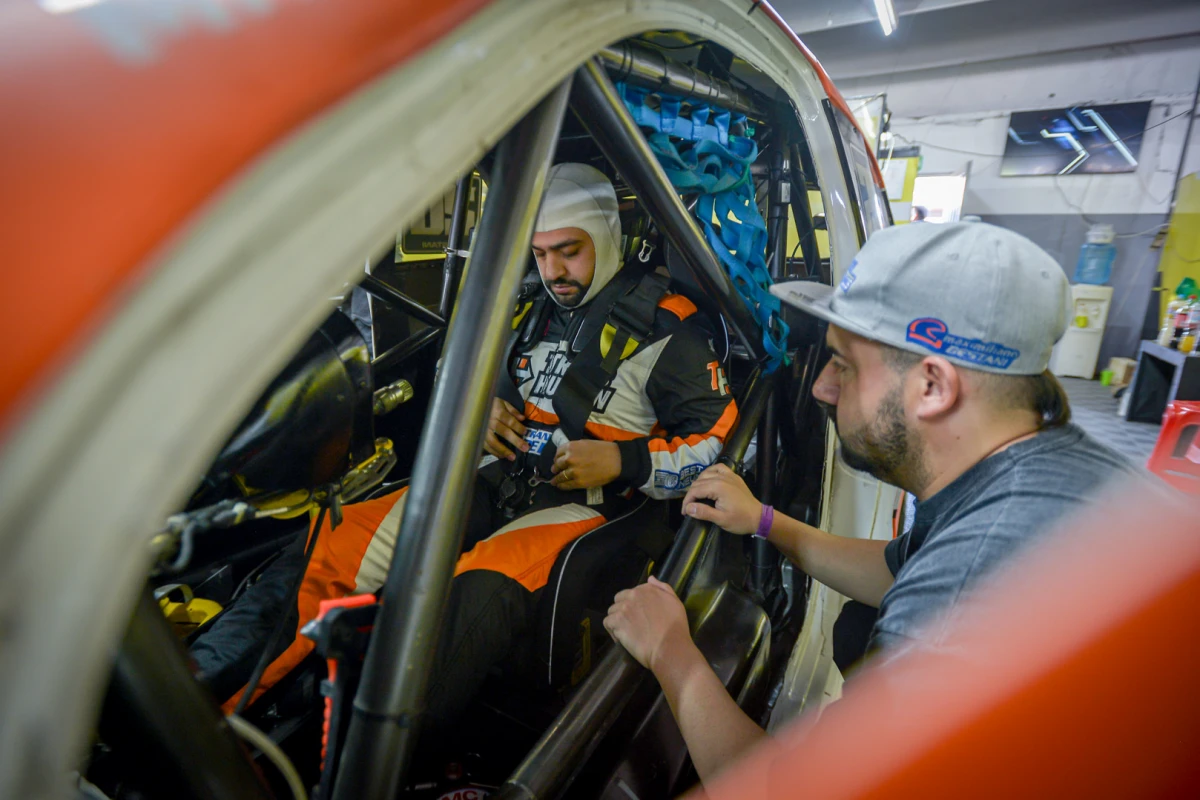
(958, 117)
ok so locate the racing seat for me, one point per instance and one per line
(568, 630)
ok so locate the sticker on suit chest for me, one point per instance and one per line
(546, 382)
(523, 370)
(537, 440)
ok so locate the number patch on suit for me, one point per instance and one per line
(719, 383)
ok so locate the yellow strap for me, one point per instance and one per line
(521, 315)
(606, 340)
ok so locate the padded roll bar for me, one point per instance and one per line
(389, 702)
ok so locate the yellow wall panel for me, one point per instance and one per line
(1181, 251)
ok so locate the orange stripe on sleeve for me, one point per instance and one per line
(725, 423)
(610, 433)
(671, 445)
(720, 430)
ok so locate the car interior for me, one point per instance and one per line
(343, 422)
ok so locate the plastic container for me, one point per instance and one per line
(1167, 332)
(1182, 313)
(1096, 256)
(1191, 328)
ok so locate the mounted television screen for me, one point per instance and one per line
(1080, 139)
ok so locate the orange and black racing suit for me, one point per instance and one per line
(668, 408)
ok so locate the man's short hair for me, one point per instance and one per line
(1041, 394)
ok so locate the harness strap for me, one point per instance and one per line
(528, 320)
(615, 330)
(619, 320)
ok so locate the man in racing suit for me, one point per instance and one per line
(644, 413)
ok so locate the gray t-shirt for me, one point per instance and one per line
(981, 520)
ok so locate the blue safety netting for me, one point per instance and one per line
(701, 156)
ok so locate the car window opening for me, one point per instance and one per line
(342, 422)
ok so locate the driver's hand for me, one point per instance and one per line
(505, 430)
(586, 463)
(735, 508)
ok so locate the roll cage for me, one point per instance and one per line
(201, 748)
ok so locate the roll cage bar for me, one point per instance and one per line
(198, 747)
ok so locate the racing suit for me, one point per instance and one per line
(668, 407)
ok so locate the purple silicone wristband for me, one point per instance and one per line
(765, 521)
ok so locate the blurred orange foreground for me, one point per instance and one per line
(1077, 674)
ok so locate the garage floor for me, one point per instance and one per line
(1095, 410)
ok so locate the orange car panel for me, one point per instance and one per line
(122, 118)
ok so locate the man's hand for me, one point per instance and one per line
(649, 622)
(504, 427)
(736, 509)
(586, 463)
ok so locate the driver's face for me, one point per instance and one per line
(566, 259)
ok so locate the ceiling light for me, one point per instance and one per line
(887, 16)
(65, 6)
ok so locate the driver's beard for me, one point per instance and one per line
(574, 301)
(887, 448)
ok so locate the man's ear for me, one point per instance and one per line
(940, 388)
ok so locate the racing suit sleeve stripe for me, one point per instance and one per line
(332, 572)
(691, 399)
(611, 433)
(720, 430)
(525, 549)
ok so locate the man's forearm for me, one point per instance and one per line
(715, 729)
(854, 567)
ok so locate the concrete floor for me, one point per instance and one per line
(1094, 409)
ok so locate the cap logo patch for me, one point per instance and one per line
(849, 278)
(932, 334)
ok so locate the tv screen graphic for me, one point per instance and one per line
(1084, 139)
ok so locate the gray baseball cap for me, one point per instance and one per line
(982, 296)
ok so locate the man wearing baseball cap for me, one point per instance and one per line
(940, 337)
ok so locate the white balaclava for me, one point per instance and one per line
(579, 196)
